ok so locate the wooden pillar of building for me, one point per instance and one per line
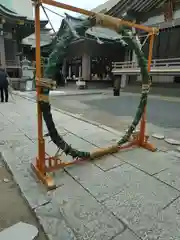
(69, 71)
(64, 68)
(80, 71)
(86, 67)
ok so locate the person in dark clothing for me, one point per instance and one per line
(4, 85)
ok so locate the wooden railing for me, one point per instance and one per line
(156, 63)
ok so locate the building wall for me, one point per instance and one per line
(22, 7)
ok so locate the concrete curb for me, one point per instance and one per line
(79, 94)
(74, 94)
(123, 93)
(78, 117)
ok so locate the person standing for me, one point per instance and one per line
(4, 85)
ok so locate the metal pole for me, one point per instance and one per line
(41, 148)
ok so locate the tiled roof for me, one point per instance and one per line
(45, 37)
(4, 11)
(9, 13)
(97, 32)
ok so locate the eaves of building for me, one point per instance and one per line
(139, 7)
(12, 16)
(143, 10)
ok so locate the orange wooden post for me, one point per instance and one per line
(40, 162)
(39, 166)
(142, 138)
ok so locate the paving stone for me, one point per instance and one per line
(111, 130)
(16, 118)
(140, 203)
(94, 180)
(151, 129)
(126, 235)
(97, 186)
(150, 162)
(172, 141)
(61, 178)
(171, 176)
(164, 225)
(59, 118)
(176, 154)
(18, 142)
(13, 140)
(86, 217)
(11, 108)
(102, 138)
(172, 133)
(158, 136)
(79, 143)
(4, 123)
(32, 135)
(10, 132)
(26, 153)
(54, 223)
(19, 231)
(160, 145)
(31, 188)
(100, 184)
(79, 127)
(85, 129)
(108, 162)
(167, 225)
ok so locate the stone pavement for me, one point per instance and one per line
(131, 195)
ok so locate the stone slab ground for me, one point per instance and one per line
(13, 208)
(127, 196)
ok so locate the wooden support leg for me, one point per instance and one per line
(143, 139)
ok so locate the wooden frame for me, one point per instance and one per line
(54, 163)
